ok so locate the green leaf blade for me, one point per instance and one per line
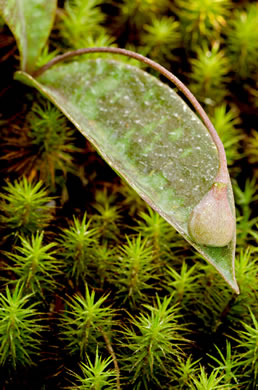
(30, 22)
(146, 132)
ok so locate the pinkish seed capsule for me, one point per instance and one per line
(211, 222)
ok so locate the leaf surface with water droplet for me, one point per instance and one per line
(148, 134)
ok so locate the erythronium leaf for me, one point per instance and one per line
(30, 22)
(146, 132)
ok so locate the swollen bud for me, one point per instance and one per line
(211, 222)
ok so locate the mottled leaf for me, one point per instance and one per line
(146, 132)
(30, 22)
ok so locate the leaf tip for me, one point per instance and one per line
(233, 284)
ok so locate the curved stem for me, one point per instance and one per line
(222, 175)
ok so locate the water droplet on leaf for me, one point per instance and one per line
(211, 222)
